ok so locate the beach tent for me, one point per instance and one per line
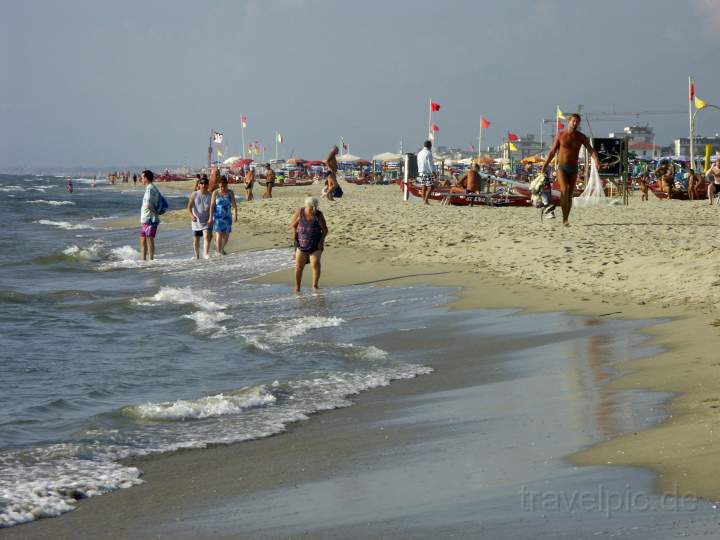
(388, 156)
(350, 158)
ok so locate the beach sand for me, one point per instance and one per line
(648, 260)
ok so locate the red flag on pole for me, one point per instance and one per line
(435, 127)
(692, 90)
(512, 136)
(434, 107)
(485, 123)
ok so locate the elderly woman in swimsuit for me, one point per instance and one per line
(309, 232)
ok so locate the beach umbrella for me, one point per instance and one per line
(239, 163)
(387, 156)
(296, 161)
(231, 159)
(533, 159)
(484, 160)
(315, 163)
(349, 158)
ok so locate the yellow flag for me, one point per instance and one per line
(699, 103)
(513, 148)
(559, 113)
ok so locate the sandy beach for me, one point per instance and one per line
(649, 259)
(645, 261)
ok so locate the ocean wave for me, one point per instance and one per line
(97, 251)
(266, 336)
(47, 481)
(52, 203)
(206, 407)
(8, 189)
(209, 321)
(64, 224)
(180, 296)
(51, 488)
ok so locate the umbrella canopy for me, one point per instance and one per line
(349, 158)
(314, 163)
(238, 163)
(387, 156)
(533, 159)
(296, 161)
(229, 160)
(484, 160)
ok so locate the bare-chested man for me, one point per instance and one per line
(471, 179)
(331, 163)
(569, 143)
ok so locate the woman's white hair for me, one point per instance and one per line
(312, 202)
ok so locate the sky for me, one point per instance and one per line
(103, 83)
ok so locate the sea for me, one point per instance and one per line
(106, 357)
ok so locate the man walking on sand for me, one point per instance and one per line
(569, 143)
(331, 163)
(426, 170)
(149, 219)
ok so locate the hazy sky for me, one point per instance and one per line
(142, 82)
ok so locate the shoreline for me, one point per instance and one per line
(687, 338)
(682, 370)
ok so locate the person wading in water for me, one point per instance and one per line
(309, 232)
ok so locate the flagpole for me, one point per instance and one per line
(691, 91)
(431, 135)
(242, 125)
(276, 144)
(480, 137)
(210, 149)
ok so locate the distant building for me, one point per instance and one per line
(641, 140)
(526, 146)
(682, 145)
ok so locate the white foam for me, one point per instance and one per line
(206, 407)
(209, 321)
(286, 331)
(51, 203)
(64, 224)
(7, 189)
(181, 296)
(94, 252)
(51, 488)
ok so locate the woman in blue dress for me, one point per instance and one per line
(220, 217)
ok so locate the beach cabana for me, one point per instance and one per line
(350, 158)
(386, 157)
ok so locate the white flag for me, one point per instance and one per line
(217, 137)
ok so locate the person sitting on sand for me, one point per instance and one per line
(309, 232)
(269, 182)
(471, 181)
(567, 145)
(220, 217)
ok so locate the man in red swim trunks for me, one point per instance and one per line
(569, 143)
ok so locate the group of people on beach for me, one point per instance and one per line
(213, 209)
(566, 147)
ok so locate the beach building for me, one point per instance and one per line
(682, 145)
(528, 145)
(641, 140)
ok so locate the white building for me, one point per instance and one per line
(682, 145)
(641, 140)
